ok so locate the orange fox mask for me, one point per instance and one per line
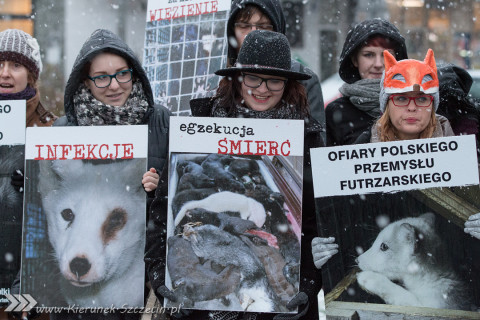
(409, 75)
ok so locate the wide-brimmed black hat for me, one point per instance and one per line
(265, 52)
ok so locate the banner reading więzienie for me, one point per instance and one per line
(234, 214)
(84, 216)
(397, 210)
(185, 43)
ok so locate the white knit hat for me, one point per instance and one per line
(17, 45)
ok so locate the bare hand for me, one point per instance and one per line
(150, 180)
(472, 225)
(323, 249)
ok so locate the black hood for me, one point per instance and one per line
(271, 8)
(358, 35)
(102, 40)
(454, 81)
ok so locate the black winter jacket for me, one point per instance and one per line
(156, 117)
(345, 122)
(273, 10)
(310, 283)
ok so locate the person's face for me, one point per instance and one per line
(261, 22)
(261, 98)
(108, 64)
(409, 120)
(369, 62)
(13, 77)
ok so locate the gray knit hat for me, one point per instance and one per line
(17, 45)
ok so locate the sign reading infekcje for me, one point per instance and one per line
(394, 166)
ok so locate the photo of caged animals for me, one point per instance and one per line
(233, 233)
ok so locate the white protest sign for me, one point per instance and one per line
(12, 122)
(171, 9)
(87, 143)
(394, 166)
(237, 136)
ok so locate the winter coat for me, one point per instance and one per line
(156, 117)
(310, 282)
(273, 10)
(37, 115)
(455, 104)
(344, 121)
(442, 129)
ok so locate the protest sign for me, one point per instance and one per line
(84, 221)
(185, 43)
(234, 214)
(12, 148)
(397, 212)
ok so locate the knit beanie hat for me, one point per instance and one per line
(18, 46)
(409, 75)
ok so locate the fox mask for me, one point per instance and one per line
(410, 75)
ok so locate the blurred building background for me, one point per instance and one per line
(316, 30)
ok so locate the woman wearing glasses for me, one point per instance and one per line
(408, 112)
(108, 86)
(249, 15)
(409, 98)
(260, 85)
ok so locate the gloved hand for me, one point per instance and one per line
(323, 249)
(472, 225)
(17, 180)
(301, 301)
(170, 295)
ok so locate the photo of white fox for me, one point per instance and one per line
(407, 265)
(95, 212)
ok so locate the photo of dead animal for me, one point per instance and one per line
(233, 241)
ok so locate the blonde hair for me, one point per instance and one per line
(388, 132)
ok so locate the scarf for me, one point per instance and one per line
(27, 94)
(91, 112)
(283, 111)
(364, 94)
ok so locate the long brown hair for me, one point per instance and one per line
(230, 94)
(387, 132)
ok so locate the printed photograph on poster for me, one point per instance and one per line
(234, 223)
(406, 248)
(184, 44)
(12, 149)
(84, 221)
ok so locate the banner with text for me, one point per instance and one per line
(84, 216)
(395, 166)
(185, 43)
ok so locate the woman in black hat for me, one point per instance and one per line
(259, 85)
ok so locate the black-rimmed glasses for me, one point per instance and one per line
(401, 100)
(104, 80)
(273, 84)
